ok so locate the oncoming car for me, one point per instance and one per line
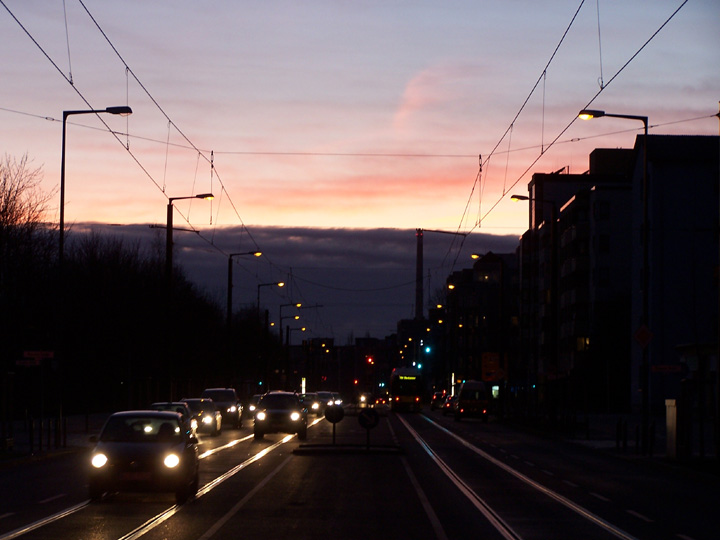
(228, 403)
(144, 451)
(280, 412)
(311, 402)
(209, 419)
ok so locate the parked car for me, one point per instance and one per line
(448, 406)
(280, 412)
(179, 407)
(206, 414)
(228, 403)
(144, 451)
(472, 401)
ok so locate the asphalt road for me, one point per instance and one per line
(420, 476)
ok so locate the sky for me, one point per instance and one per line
(323, 124)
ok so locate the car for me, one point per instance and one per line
(437, 400)
(365, 400)
(144, 451)
(448, 406)
(326, 399)
(249, 411)
(472, 401)
(206, 414)
(179, 407)
(311, 402)
(280, 412)
(337, 399)
(227, 401)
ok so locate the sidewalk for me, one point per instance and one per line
(25, 440)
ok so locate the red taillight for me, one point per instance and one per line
(417, 399)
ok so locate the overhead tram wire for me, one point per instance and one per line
(111, 131)
(597, 94)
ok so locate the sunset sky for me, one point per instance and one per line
(329, 114)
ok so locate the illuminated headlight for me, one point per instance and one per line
(207, 420)
(99, 460)
(171, 461)
(315, 406)
(363, 399)
(252, 408)
(232, 409)
(193, 423)
(295, 416)
(260, 416)
(338, 402)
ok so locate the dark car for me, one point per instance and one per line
(448, 406)
(249, 410)
(228, 403)
(206, 414)
(179, 407)
(472, 401)
(311, 402)
(326, 399)
(280, 412)
(144, 451)
(438, 398)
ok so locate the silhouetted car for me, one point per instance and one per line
(228, 403)
(179, 407)
(472, 401)
(280, 412)
(207, 415)
(144, 451)
(326, 399)
(249, 410)
(437, 400)
(448, 406)
(311, 402)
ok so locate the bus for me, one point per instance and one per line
(406, 389)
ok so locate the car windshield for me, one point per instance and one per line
(279, 401)
(141, 429)
(219, 395)
(195, 406)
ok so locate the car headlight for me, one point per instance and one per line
(260, 416)
(193, 423)
(295, 416)
(171, 461)
(232, 409)
(207, 419)
(252, 408)
(99, 460)
(315, 406)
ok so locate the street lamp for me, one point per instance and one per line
(230, 281)
(273, 284)
(588, 114)
(169, 237)
(289, 330)
(280, 317)
(123, 111)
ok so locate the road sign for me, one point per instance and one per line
(368, 418)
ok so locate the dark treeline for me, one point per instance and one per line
(105, 331)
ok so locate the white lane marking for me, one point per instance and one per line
(612, 529)
(569, 483)
(43, 522)
(170, 512)
(495, 520)
(549, 473)
(8, 514)
(235, 509)
(53, 498)
(684, 537)
(598, 496)
(639, 516)
(436, 525)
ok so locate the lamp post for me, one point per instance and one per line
(554, 285)
(123, 111)
(273, 284)
(230, 281)
(643, 333)
(169, 229)
(280, 317)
